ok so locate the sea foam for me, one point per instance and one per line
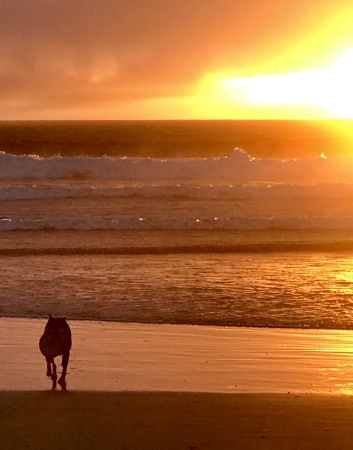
(237, 167)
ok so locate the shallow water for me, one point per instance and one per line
(306, 290)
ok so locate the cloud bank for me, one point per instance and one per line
(81, 53)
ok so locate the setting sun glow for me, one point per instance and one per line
(138, 60)
(327, 88)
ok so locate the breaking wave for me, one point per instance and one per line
(238, 167)
(237, 192)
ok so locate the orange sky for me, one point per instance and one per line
(158, 59)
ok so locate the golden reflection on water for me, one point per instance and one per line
(346, 276)
(346, 282)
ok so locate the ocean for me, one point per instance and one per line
(225, 223)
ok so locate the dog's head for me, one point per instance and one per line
(56, 324)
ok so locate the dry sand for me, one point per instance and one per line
(174, 421)
(134, 386)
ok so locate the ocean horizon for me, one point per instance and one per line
(176, 138)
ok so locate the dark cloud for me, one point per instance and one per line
(67, 53)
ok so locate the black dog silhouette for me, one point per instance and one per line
(56, 341)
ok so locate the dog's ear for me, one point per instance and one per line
(50, 316)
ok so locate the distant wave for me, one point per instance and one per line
(229, 193)
(239, 167)
(178, 191)
(187, 223)
(274, 247)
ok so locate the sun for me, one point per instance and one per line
(339, 98)
(328, 88)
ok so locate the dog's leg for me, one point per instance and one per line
(54, 376)
(49, 361)
(65, 362)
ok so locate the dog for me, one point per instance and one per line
(56, 341)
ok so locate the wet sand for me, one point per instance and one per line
(108, 356)
(134, 386)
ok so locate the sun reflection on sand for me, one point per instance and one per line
(337, 369)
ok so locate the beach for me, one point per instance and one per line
(141, 386)
(209, 297)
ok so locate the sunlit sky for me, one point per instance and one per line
(162, 59)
